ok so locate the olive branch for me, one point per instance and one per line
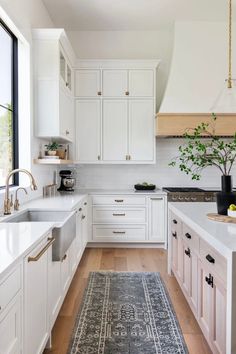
(196, 154)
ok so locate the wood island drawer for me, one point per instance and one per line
(118, 200)
(191, 238)
(213, 260)
(119, 215)
(10, 287)
(113, 233)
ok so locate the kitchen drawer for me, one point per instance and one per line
(117, 233)
(118, 200)
(191, 238)
(10, 287)
(215, 262)
(119, 215)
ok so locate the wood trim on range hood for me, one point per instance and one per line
(176, 124)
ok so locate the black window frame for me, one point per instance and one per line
(14, 86)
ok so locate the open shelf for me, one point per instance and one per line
(53, 162)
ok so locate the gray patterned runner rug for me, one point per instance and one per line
(126, 313)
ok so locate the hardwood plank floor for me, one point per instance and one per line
(149, 260)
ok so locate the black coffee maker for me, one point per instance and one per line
(67, 181)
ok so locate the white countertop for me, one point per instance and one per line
(121, 191)
(221, 236)
(17, 240)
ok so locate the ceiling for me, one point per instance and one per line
(115, 15)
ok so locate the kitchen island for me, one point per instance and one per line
(202, 257)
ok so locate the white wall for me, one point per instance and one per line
(199, 67)
(26, 14)
(123, 177)
(127, 45)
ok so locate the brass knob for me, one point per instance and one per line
(127, 157)
(99, 157)
(127, 93)
(99, 93)
(67, 132)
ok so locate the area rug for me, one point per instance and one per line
(126, 313)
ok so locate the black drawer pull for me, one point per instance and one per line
(118, 232)
(175, 221)
(187, 252)
(174, 234)
(209, 280)
(188, 235)
(210, 258)
(119, 200)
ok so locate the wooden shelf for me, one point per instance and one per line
(53, 162)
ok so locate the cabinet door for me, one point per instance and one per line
(65, 272)
(87, 83)
(78, 239)
(54, 288)
(115, 130)
(141, 130)
(194, 283)
(35, 301)
(66, 114)
(218, 332)
(115, 83)
(11, 328)
(187, 270)
(174, 251)
(204, 301)
(141, 83)
(84, 220)
(180, 258)
(156, 220)
(88, 125)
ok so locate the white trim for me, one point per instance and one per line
(117, 64)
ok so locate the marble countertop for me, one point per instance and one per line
(121, 191)
(17, 240)
(222, 236)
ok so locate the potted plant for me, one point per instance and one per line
(52, 148)
(198, 153)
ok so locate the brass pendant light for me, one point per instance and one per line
(226, 101)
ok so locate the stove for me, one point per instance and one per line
(189, 194)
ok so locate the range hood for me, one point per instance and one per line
(176, 124)
(197, 75)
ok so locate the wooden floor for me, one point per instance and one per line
(124, 260)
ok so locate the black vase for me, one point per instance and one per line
(226, 196)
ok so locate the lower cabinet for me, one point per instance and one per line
(197, 268)
(36, 320)
(129, 218)
(212, 308)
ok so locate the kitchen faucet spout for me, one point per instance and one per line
(7, 202)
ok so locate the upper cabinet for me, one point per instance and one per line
(54, 84)
(115, 111)
(115, 83)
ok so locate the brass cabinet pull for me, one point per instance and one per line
(85, 203)
(127, 93)
(43, 250)
(119, 200)
(99, 93)
(115, 214)
(99, 157)
(67, 132)
(127, 157)
(118, 232)
(80, 209)
(83, 217)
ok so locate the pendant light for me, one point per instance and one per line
(226, 100)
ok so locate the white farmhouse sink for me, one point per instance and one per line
(64, 230)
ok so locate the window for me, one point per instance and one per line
(8, 104)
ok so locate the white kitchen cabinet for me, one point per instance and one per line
(88, 124)
(127, 97)
(157, 215)
(36, 319)
(11, 312)
(11, 328)
(115, 130)
(65, 272)
(53, 84)
(88, 83)
(141, 83)
(84, 221)
(141, 130)
(115, 83)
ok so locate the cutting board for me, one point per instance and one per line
(221, 218)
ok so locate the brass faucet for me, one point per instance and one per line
(7, 202)
(17, 203)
